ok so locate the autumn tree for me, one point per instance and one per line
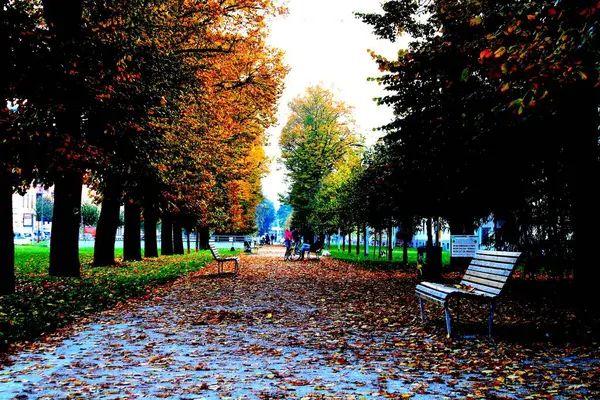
(316, 136)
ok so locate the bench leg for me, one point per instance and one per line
(491, 326)
(423, 317)
(447, 311)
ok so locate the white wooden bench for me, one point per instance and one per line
(484, 279)
(221, 260)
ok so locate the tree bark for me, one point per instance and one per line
(204, 237)
(429, 232)
(64, 241)
(132, 246)
(108, 223)
(187, 234)
(7, 255)
(150, 238)
(366, 240)
(358, 241)
(349, 243)
(177, 239)
(583, 168)
(166, 235)
(343, 242)
(197, 239)
(389, 244)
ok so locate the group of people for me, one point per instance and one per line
(268, 239)
(293, 236)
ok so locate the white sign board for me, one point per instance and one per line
(28, 220)
(464, 245)
(231, 238)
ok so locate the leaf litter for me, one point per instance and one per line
(309, 329)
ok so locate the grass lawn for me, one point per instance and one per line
(374, 259)
(42, 303)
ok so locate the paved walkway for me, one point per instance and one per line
(312, 329)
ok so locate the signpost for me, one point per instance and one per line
(464, 245)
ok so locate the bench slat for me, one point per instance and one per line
(514, 254)
(433, 292)
(487, 291)
(493, 277)
(499, 272)
(492, 264)
(439, 287)
(425, 296)
(505, 260)
(484, 281)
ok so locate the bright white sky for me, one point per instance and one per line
(326, 44)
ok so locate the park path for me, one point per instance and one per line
(307, 329)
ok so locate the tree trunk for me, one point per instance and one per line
(350, 243)
(187, 233)
(380, 242)
(7, 255)
(132, 246)
(197, 239)
(108, 223)
(64, 241)
(405, 251)
(150, 238)
(166, 235)
(390, 245)
(177, 239)
(366, 240)
(358, 240)
(582, 157)
(429, 232)
(204, 237)
(344, 243)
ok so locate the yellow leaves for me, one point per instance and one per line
(505, 87)
(475, 21)
(500, 52)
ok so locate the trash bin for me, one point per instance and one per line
(429, 263)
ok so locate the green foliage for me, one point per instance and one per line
(89, 214)
(44, 207)
(42, 303)
(265, 216)
(283, 214)
(313, 143)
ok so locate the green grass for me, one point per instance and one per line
(374, 260)
(43, 303)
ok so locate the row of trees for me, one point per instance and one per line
(497, 115)
(496, 108)
(160, 106)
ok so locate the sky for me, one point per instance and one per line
(326, 44)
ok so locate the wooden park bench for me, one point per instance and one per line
(484, 280)
(221, 260)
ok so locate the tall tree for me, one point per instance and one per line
(317, 134)
(265, 216)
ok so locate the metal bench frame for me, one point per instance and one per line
(221, 260)
(486, 276)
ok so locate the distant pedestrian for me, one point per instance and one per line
(288, 238)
